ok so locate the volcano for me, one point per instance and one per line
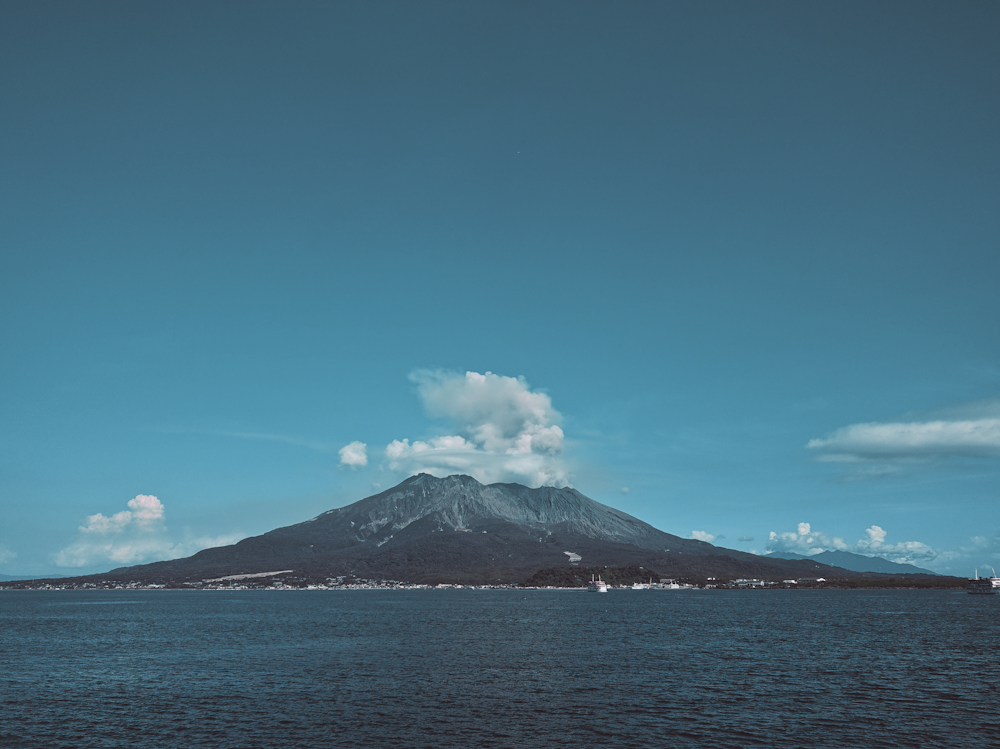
(455, 529)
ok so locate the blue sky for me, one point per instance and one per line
(740, 259)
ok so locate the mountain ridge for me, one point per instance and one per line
(455, 529)
(858, 562)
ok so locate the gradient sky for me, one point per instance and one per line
(739, 259)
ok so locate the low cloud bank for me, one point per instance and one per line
(979, 552)
(804, 540)
(132, 536)
(979, 438)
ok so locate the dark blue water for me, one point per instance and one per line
(464, 668)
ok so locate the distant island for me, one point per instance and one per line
(457, 531)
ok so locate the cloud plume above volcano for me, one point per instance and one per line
(504, 431)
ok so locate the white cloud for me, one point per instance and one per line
(804, 541)
(506, 432)
(499, 414)
(904, 552)
(354, 455)
(132, 536)
(745, 538)
(6, 554)
(702, 536)
(877, 449)
(921, 440)
(145, 510)
(808, 542)
(625, 490)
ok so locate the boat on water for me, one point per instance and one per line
(597, 586)
(984, 586)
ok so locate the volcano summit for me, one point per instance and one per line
(456, 529)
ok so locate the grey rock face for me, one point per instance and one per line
(462, 503)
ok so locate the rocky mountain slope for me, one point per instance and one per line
(455, 529)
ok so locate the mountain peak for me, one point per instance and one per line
(426, 479)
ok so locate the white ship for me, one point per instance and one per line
(984, 586)
(597, 586)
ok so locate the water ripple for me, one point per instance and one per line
(718, 669)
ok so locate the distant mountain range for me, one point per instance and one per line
(857, 562)
(455, 529)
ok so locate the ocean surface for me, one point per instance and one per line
(471, 668)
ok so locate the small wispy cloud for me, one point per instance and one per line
(315, 445)
(6, 554)
(979, 438)
(702, 536)
(745, 538)
(322, 447)
(877, 449)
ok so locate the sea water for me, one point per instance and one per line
(506, 668)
